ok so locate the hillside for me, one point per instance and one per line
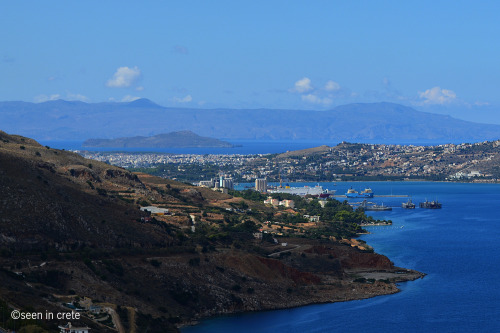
(71, 230)
(181, 139)
(62, 120)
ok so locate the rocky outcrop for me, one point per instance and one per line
(353, 258)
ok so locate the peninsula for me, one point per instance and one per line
(150, 253)
(180, 139)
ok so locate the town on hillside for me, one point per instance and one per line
(478, 162)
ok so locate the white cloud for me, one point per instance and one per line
(302, 85)
(69, 97)
(437, 95)
(332, 86)
(311, 98)
(44, 98)
(186, 99)
(124, 77)
(129, 98)
(140, 88)
(76, 97)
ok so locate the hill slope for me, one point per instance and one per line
(72, 227)
(57, 199)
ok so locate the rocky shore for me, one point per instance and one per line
(318, 274)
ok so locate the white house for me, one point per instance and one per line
(68, 328)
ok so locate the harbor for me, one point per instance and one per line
(377, 196)
(324, 191)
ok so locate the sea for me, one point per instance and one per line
(458, 247)
(241, 147)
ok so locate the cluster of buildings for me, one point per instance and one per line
(464, 174)
(446, 161)
(146, 160)
(276, 202)
(220, 183)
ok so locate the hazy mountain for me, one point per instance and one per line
(62, 120)
(181, 139)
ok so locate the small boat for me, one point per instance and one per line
(366, 193)
(381, 207)
(408, 205)
(366, 207)
(430, 204)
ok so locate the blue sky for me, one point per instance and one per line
(439, 56)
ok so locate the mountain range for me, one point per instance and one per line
(64, 120)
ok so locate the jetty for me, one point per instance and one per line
(378, 196)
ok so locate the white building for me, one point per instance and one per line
(227, 183)
(271, 201)
(207, 183)
(68, 328)
(153, 210)
(261, 185)
(287, 203)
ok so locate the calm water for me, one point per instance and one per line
(244, 147)
(457, 246)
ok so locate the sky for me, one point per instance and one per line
(437, 56)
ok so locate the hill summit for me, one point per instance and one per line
(181, 139)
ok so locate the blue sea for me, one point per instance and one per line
(458, 247)
(243, 147)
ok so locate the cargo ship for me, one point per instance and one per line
(408, 205)
(366, 193)
(315, 191)
(430, 204)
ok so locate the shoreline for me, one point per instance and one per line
(397, 276)
(374, 225)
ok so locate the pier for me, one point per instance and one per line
(377, 196)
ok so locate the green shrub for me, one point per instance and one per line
(155, 263)
(194, 262)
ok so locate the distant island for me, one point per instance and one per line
(180, 139)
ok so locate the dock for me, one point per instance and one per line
(377, 196)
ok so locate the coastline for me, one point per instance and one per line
(358, 291)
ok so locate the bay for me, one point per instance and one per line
(456, 246)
